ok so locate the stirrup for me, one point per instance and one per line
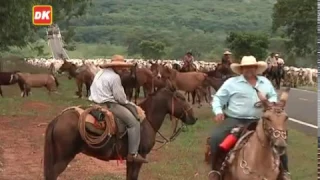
(216, 172)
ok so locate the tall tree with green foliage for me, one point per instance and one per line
(248, 43)
(152, 49)
(298, 19)
(16, 28)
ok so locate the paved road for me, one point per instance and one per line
(56, 47)
(302, 106)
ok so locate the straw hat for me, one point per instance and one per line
(227, 53)
(117, 61)
(249, 61)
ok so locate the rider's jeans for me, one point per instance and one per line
(132, 124)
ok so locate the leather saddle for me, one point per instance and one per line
(98, 118)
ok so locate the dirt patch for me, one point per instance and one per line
(36, 105)
(21, 149)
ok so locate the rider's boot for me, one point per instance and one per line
(217, 160)
(136, 158)
(134, 143)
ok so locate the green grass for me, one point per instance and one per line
(309, 88)
(181, 159)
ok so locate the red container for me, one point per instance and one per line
(228, 142)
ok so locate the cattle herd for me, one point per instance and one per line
(294, 76)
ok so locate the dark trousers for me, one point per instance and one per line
(223, 129)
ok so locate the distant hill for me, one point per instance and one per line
(199, 25)
(118, 26)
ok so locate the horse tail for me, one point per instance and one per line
(48, 160)
(56, 81)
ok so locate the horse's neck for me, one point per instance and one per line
(258, 149)
(155, 113)
(72, 71)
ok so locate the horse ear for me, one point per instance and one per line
(262, 98)
(284, 97)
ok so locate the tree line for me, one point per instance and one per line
(289, 28)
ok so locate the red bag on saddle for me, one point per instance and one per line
(231, 139)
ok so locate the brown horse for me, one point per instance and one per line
(29, 81)
(185, 81)
(63, 141)
(9, 78)
(82, 75)
(257, 153)
(147, 81)
(129, 81)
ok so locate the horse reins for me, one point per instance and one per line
(174, 134)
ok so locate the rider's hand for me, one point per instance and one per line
(219, 117)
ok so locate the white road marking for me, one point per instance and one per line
(303, 123)
(303, 99)
(313, 92)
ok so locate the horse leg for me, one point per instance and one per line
(1, 92)
(133, 170)
(193, 96)
(188, 95)
(79, 92)
(87, 89)
(199, 96)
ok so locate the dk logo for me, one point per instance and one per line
(42, 15)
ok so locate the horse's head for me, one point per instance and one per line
(156, 69)
(274, 121)
(66, 66)
(177, 104)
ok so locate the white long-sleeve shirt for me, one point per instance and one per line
(107, 87)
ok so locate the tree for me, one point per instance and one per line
(245, 43)
(152, 49)
(16, 27)
(298, 18)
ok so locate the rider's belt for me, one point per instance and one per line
(243, 119)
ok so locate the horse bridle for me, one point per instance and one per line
(272, 132)
(178, 131)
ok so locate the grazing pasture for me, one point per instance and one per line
(23, 122)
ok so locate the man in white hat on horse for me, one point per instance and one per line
(233, 105)
(226, 58)
(106, 89)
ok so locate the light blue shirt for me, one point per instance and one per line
(239, 97)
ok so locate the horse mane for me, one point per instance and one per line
(150, 96)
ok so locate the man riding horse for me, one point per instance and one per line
(226, 58)
(280, 61)
(107, 90)
(234, 105)
(224, 66)
(188, 60)
(275, 71)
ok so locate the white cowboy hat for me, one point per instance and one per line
(249, 61)
(116, 61)
(227, 53)
(276, 55)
